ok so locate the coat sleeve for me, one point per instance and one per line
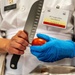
(2, 32)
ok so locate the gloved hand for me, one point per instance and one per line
(54, 49)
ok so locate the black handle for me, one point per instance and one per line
(14, 61)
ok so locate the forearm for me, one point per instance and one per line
(3, 43)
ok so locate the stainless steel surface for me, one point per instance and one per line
(40, 70)
(47, 69)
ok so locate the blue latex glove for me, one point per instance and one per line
(54, 49)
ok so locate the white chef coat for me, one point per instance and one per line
(14, 20)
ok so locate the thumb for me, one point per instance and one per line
(42, 47)
(43, 36)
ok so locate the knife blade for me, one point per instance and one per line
(30, 27)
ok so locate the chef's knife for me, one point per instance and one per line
(30, 27)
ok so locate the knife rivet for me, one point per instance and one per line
(12, 65)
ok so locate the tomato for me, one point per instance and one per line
(38, 41)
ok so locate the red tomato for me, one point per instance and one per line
(38, 41)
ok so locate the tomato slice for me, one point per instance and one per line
(38, 41)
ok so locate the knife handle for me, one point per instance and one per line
(14, 60)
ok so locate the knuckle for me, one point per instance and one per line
(26, 44)
(20, 32)
(22, 41)
(24, 48)
(19, 46)
(9, 49)
(17, 52)
(13, 38)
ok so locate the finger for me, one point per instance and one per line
(46, 37)
(18, 45)
(15, 51)
(22, 34)
(42, 47)
(43, 36)
(21, 41)
(45, 56)
(36, 48)
(35, 53)
(26, 32)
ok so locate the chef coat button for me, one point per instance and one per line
(57, 6)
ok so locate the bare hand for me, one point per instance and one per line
(17, 43)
